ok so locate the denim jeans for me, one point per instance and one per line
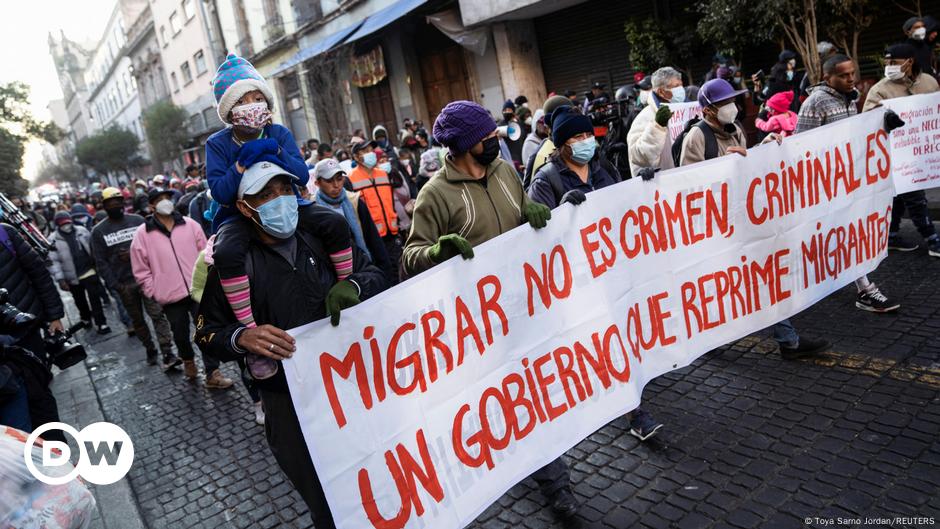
(785, 333)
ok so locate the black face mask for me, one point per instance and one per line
(115, 213)
(490, 151)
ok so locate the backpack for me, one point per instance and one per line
(711, 144)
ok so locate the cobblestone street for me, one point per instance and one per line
(749, 440)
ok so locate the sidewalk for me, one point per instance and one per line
(749, 440)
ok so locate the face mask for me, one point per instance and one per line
(406, 163)
(66, 228)
(792, 63)
(252, 116)
(507, 116)
(369, 159)
(115, 213)
(386, 166)
(790, 75)
(919, 34)
(164, 207)
(583, 151)
(678, 95)
(727, 113)
(490, 151)
(279, 216)
(737, 81)
(894, 72)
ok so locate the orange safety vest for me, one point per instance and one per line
(376, 190)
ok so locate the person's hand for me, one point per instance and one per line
(253, 150)
(737, 150)
(663, 113)
(239, 167)
(267, 340)
(64, 285)
(537, 214)
(448, 246)
(773, 136)
(56, 327)
(574, 197)
(342, 295)
(892, 121)
(646, 173)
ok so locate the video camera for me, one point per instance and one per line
(12, 215)
(15, 323)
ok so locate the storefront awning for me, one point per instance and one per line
(323, 45)
(380, 19)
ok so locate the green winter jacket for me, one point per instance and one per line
(455, 202)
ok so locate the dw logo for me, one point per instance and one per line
(106, 453)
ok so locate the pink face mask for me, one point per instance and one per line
(252, 116)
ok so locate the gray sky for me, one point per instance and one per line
(24, 52)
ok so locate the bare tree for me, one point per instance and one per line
(913, 7)
(797, 18)
(324, 78)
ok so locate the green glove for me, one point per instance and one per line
(537, 214)
(663, 114)
(448, 246)
(342, 295)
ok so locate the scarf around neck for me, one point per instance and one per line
(351, 218)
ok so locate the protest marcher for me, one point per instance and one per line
(73, 267)
(514, 146)
(111, 243)
(717, 135)
(903, 77)
(648, 139)
(288, 289)
(191, 189)
(449, 221)
(546, 148)
(330, 178)
(81, 217)
(573, 171)
(784, 77)
(431, 162)
(916, 30)
(380, 137)
(539, 132)
(777, 117)
(401, 193)
(375, 188)
(830, 101)
(163, 255)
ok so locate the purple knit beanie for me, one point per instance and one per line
(461, 125)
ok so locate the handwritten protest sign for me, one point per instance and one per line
(681, 114)
(430, 400)
(915, 147)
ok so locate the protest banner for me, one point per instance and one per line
(432, 399)
(915, 147)
(681, 114)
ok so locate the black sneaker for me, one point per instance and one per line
(875, 301)
(171, 362)
(933, 246)
(564, 503)
(898, 243)
(151, 358)
(807, 347)
(104, 329)
(643, 425)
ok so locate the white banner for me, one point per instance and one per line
(681, 114)
(432, 399)
(915, 147)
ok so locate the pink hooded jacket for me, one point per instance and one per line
(783, 124)
(162, 264)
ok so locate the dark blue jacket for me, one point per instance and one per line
(223, 178)
(554, 179)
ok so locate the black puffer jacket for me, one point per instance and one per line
(27, 280)
(282, 294)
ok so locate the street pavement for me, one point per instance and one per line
(750, 440)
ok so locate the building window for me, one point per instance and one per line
(174, 82)
(199, 59)
(174, 23)
(188, 11)
(163, 36)
(187, 74)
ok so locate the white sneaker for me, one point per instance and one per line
(259, 414)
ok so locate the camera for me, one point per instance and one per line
(63, 352)
(602, 113)
(13, 321)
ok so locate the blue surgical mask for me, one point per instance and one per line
(583, 151)
(386, 166)
(369, 159)
(678, 94)
(279, 216)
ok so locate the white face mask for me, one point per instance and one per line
(678, 94)
(919, 34)
(164, 207)
(894, 72)
(727, 113)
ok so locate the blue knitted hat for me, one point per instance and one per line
(235, 78)
(567, 123)
(461, 125)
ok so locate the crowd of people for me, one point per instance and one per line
(268, 235)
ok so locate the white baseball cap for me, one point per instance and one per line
(258, 175)
(327, 169)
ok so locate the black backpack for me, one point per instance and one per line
(711, 144)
